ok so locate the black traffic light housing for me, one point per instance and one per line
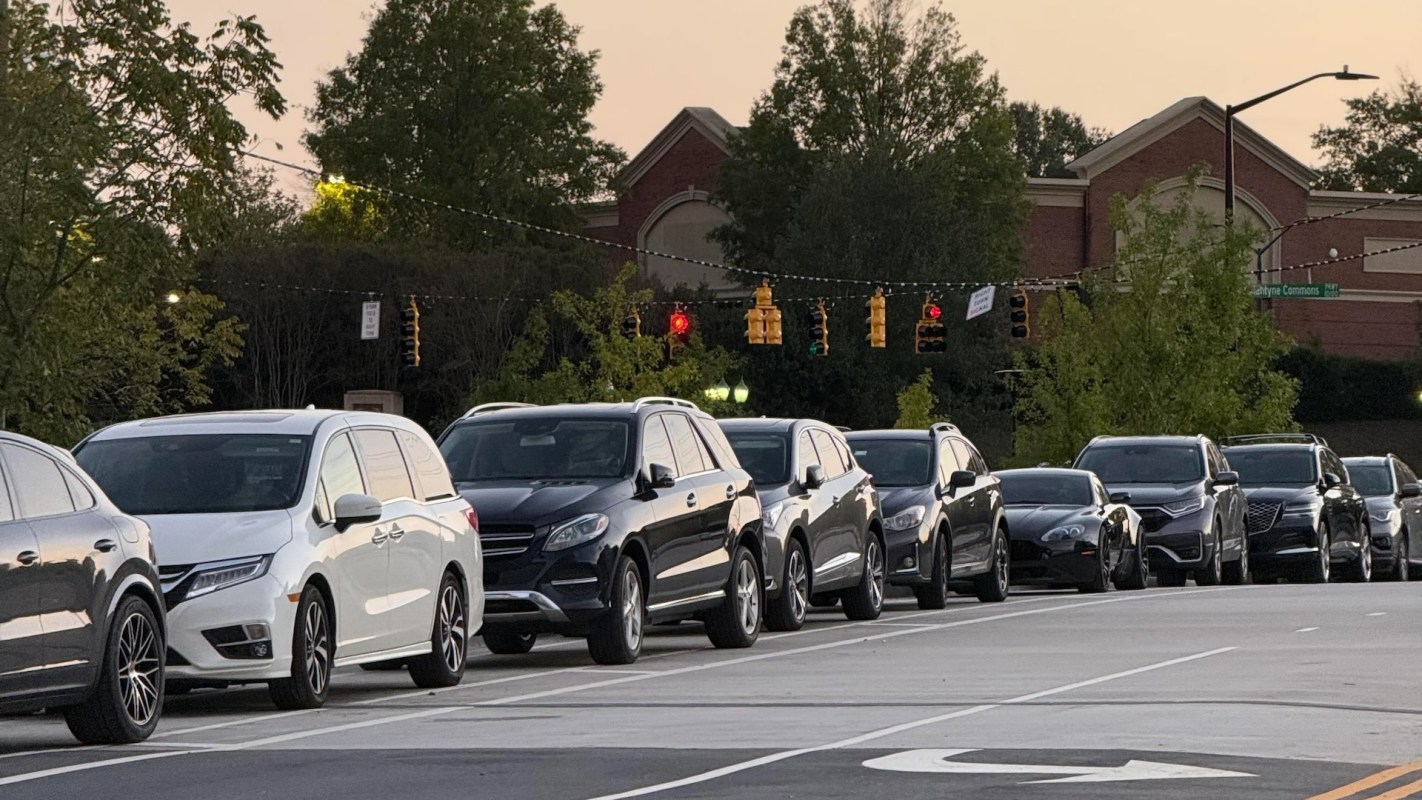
(1020, 314)
(819, 330)
(410, 334)
(632, 325)
(930, 335)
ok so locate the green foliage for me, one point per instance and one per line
(117, 161)
(916, 403)
(1330, 387)
(1179, 350)
(476, 103)
(341, 211)
(1379, 148)
(1050, 138)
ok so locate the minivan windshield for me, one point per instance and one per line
(766, 456)
(540, 448)
(1042, 489)
(895, 462)
(1274, 466)
(1144, 463)
(1371, 480)
(199, 473)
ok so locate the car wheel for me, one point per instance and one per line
(935, 595)
(992, 585)
(1209, 573)
(1139, 574)
(1169, 577)
(1320, 570)
(509, 644)
(1401, 569)
(1361, 570)
(617, 636)
(1236, 573)
(787, 612)
(128, 699)
(443, 665)
(866, 600)
(736, 622)
(1101, 579)
(311, 655)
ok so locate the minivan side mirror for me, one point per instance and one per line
(1121, 497)
(1227, 479)
(962, 478)
(355, 509)
(814, 476)
(1409, 491)
(662, 476)
(1330, 480)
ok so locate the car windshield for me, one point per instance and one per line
(766, 456)
(541, 448)
(1273, 467)
(1144, 463)
(895, 462)
(1022, 489)
(1371, 480)
(199, 473)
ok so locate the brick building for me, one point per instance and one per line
(665, 205)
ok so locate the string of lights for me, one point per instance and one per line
(1369, 207)
(1328, 262)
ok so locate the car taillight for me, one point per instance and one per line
(473, 517)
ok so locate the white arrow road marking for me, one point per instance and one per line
(938, 761)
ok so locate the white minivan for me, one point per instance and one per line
(293, 542)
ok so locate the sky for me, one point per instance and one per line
(1111, 61)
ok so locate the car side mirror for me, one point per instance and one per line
(1227, 479)
(1410, 490)
(662, 476)
(355, 509)
(814, 476)
(962, 478)
(1330, 480)
(1121, 497)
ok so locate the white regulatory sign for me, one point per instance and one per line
(981, 301)
(370, 319)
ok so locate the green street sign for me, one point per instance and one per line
(1297, 291)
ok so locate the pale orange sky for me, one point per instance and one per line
(1114, 62)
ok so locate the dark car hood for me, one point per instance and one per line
(894, 499)
(1381, 504)
(1279, 494)
(536, 502)
(1029, 522)
(772, 493)
(1155, 494)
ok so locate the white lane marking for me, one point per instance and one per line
(900, 625)
(78, 749)
(1305, 630)
(108, 762)
(605, 671)
(894, 729)
(1378, 614)
(232, 723)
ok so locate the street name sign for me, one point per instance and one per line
(1297, 291)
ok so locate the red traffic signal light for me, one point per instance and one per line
(680, 323)
(934, 312)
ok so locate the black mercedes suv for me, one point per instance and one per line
(944, 523)
(598, 519)
(1189, 500)
(1304, 514)
(820, 514)
(67, 553)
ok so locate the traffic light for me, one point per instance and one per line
(929, 335)
(819, 330)
(1021, 317)
(763, 321)
(877, 324)
(410, 334)
(678, 331)
(632, 325)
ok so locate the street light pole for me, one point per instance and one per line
(1231, 110)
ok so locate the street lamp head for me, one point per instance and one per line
(742, 391)
(1345, 75)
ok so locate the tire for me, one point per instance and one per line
(1361, 570)
(787, 612)
(1210, 573)
(128, 700)
(1321, 569)
(824, 600)
(736, 622)
(1101, 580)
(509, 644)
(443, 665)
(935, 595)
(1401, 569)
(1170, 577)
(311, 656)
(1139, 575)
(866, 601)
(992, 586)
(617, 636)
(1236, 573)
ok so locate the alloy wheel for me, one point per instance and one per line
(1403, 568)
(1365, 571)
(138, 669)
(317, 649)
(632, 611)
(1002, 565)
(451, 628)
(799, 585)
(1325, 565)
(876, 571)
(747, 595)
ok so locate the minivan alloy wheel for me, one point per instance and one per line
(317, 648)
(138, 669)
(451, 627)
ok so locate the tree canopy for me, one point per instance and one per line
(1379, 147)
(1049, 138)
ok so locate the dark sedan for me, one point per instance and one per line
(1067, 531)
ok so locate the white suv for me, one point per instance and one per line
(292, 542)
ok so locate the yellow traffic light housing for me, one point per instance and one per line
(410, 334)
(878, 325)
(930, 336)
(1021, 314)
(632, 324)
(819, 330)
(763, 321)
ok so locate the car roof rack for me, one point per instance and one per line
(664, 401)
(943, 426)
(487, 407)
(1276, 438)
(843, 428)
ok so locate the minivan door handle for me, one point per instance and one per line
(731, 492)
(397, 533)
(691, 500)
(379, 537)
(106, 545)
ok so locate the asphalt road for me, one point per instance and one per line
(1290, 691)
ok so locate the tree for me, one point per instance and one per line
(916, 403)
(1050, 138)
(118, 160)
(1167, 342)
(1379, 148)
(882, 151)
(477, 103)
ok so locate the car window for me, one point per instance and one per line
(384, 465)
(979, 463)
(1372, 480)
(78, 492)
(844, 454)
(39, 483)
(683, 439)
(340, 475)
(1102, 496)
(1216, 460)
(964, 455)
(896, 461)
(429, 466)
(1333, 465)
(721, 448)
(947, 461)
(656, 444)
(1148, 462)
(545, 447)
(805, 452)
(706, 457)
(6, 512)
(766, 456)
(829, 455)
(1273, 466)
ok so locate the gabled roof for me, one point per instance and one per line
(1148, 131)
(704, 121)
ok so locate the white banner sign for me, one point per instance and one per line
(370, 319)
(981, 301)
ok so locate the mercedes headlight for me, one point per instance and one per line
(1182, 507)
(575, 532)
(1063, 533)
(208, 578)
(908, 519)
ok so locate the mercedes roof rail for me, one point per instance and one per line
(487, 407)
(1275, 438)
(663, 401)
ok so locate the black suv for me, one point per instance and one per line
(1304, 515)
(67, 553)
(820, 515)
(597, 519)
(1190, 503)
(944, 524)
(1394, 500)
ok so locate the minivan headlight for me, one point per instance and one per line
(908, 519)
(575, 532)
(208, 578)
(1182, 507)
